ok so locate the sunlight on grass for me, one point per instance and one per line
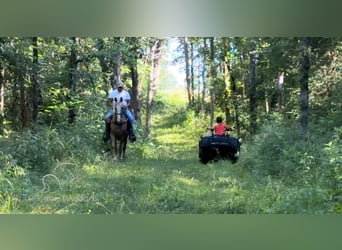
(175, 97)
(91, 169)
(175, 138)
(188, 181)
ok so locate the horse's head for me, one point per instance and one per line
(118, 110)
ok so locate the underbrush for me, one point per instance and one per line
(307, 170)
(65, 170)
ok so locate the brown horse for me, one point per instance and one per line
(118, 129)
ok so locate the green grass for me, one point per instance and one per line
(73, 175)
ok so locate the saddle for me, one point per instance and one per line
(129, 129)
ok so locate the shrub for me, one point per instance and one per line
(333, 166)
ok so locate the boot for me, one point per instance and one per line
(131, 135)
(106, 136)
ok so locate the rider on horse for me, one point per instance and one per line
(118, 93)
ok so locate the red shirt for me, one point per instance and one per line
(220, 129)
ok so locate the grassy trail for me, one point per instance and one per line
(162, 175)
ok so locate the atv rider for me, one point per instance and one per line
(220, 127)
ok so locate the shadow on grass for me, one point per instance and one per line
(149, 186)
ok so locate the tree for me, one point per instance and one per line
(2, 96)
(212, 77)
(186, 51)
(155, 61)
(253, 59)
(72, 80)
(132, 56)
(36, 95)
(109, 54)
(304, 86)
(46, 80)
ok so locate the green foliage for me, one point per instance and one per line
(61, 168)
(278, 172)
(279, 151)
(333, 164)
(41, 148)
(164, 176)
(37, 151)
(308, 170)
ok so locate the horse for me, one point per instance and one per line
(118, 129)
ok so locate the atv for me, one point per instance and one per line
(213, 148)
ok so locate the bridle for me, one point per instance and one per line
(118, 111)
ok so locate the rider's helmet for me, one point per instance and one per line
(219, 119)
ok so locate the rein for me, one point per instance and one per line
(119, 113)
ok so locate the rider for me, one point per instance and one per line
(220, 128)
(126, 97)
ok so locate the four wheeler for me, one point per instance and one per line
(213, 148)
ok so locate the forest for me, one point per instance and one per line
(281, 96)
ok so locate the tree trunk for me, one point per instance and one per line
(135, 89)
(228, 84)
(187, 70)
(304, 87)
(24, 112)
(192, 80)
(110, 65)
(252, 93)
(204, 80)
(153, 82)
(35, 83)
(204, 89)
(132, 62)
(279, 91)
(212, 80)
(72, 80)
(117, 64)
(100, 45)
(236, 104)
(2, 99)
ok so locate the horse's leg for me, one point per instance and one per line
(121, 150)
(124, 139)
(113, 147)
(115, 150)
(111, 143)
(124, 146)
